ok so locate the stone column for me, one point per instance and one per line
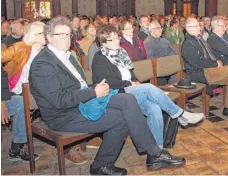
(179, 7)
(211, 7)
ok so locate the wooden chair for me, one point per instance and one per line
(40, 128)
(143, 70)
(176, 48)
(169, 65)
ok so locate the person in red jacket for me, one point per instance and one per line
(130, 42)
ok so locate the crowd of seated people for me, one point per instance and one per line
(46, 54)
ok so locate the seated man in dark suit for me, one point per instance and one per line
(218, 41)
(200, 63)
(57, 83)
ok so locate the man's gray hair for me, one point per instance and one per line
(215, 22)
(12, 25)
(152, 25)
(57, 21)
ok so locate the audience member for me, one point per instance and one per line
(18, 57)
(89, 34)
(155, 45)
(12, 105)
(200, 63)
(218, 41)
(5, 29)
(207, 24)
(52, 80)
(203, 33)
(173, 33)
(131, 43)
(143, 31)
(16, 30)
(113, 64)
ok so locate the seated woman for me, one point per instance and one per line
(113, 64)
(20, 55)
(173, 33)
(130, 42)
(17, 60)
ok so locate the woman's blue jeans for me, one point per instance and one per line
(16, 109)
(152, 101)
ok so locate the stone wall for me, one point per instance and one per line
(66, 7)
(87, 7)
(223, 7)
(147, 7)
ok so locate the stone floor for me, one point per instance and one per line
(205, 148)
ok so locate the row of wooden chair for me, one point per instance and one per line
(145, 70)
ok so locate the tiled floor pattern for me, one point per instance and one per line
(205, 148)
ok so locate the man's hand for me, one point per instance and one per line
(4, 113)
(220, 64)
(135, 83)
(102, 89)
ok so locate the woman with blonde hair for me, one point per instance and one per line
(18, 58)
(89, 33)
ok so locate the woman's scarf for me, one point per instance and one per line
(118, 57)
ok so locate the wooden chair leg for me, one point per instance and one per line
(61, 157)
(182, 100)
(30, 145)
(205, 101)
(83, 146)
(31, 154)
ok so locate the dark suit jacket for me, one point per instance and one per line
(56, 90)
(194, 61)
(219, 47)
(103, 68)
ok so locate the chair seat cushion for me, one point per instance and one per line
(199, 87)
(173, 95)
(43, 127)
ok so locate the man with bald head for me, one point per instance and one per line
(218, 41)
(200, 63)
(16, 30)
(4, 29)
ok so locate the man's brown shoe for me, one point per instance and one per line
(94, 143)
(75, 156)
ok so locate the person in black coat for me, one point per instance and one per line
(218, 41)
(200, 63)
(57, 83)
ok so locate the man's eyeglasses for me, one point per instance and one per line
(64, 35)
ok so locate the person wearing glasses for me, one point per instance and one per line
(113, 64)
(200, 63)
(218, 41)
(58, 85)
(17, 60)
(155, 45)
(131, 42)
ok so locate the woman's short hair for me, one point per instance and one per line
(31, 30)
(104, 32)
(57, 21)
(122, 25)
